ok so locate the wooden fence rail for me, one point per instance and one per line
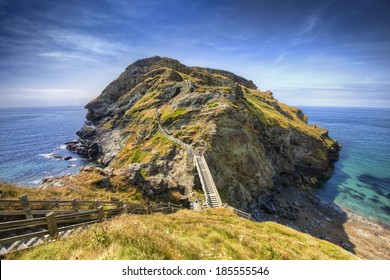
(34, 208)
(56, 221)
(240, 213)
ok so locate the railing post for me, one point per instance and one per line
(124, 209)
(26, 206)
(52, 224)
(100, 213)
(75, 205)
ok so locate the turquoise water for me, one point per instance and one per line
(29, 135)
(361, 180)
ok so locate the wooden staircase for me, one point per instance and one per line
(31, 242)
(213, 199)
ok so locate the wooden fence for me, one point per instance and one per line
(31, 208)
(72, 214)
(56, 221)
(240, 213)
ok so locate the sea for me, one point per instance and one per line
(361, 179)
(360, 183)
(30, 136)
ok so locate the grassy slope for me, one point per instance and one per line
(84, 186)
(216, 234)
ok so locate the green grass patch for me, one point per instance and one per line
(144, 172)
(212, 104)
(146, 101)
(168, 117)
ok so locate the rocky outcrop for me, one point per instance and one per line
(252, 142)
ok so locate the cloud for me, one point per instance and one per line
(75, 41)
(30, 97)
(311, 22)
(280, 57)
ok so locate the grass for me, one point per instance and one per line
(84, 186)
(212, 104)
(213, 235)
(205, 88)
(138, 156)
(168, 117)
(147, 101)
(134, 152)
(256, 104)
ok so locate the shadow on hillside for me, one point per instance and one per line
(304, 211)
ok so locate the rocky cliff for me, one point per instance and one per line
(252, 143)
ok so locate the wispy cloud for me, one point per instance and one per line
(280, 57)
(311, 22)
(83, 42)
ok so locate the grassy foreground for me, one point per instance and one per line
(215, 234)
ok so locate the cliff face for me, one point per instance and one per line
(252, 142)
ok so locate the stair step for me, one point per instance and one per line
(39, 242)
(31, 242)
(3, 250)
(14, 245)
(22, 246)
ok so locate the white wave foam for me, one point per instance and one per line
(73, 159)
(46, 155)
(62, 147)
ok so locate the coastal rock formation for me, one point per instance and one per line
(253, 143)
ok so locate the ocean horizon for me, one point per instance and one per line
(360, 183)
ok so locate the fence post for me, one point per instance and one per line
(124, 209)
(26, 206)
(75, 205)
(169, 207)
(100, 213)
(52, 224)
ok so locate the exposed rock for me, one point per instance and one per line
(86, 169)
(52, 182)
(56, 156)
(252, 142)
(133, 174)
(290, 213)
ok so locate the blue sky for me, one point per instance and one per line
(321, 53)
